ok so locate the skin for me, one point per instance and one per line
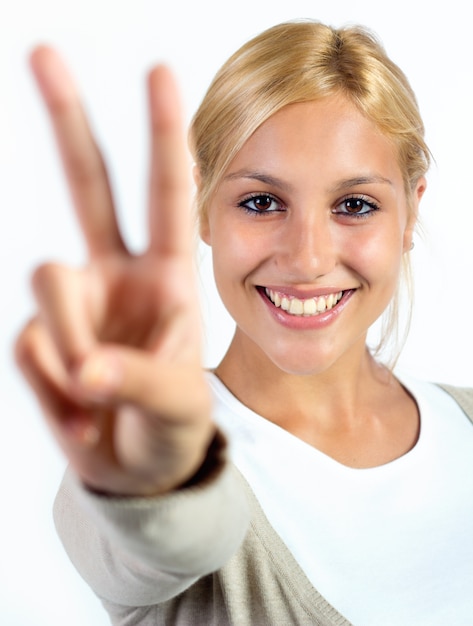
(114, 343)
(319, 383)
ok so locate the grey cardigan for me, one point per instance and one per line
(202, 555)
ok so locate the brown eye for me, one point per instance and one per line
(261, 204)
(354, 205)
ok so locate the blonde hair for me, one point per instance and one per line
(302, 61)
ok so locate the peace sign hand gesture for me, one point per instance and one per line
(114, 353)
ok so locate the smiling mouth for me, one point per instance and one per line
(309, 307)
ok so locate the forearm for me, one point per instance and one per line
(143, 551)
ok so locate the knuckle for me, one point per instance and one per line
(50, 279)
(24, 347)
(172, 183)
(43, 275)
(84, 170)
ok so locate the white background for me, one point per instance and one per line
(110, 45)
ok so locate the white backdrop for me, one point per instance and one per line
(110, 44)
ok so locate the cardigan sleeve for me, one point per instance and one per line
(140, 552)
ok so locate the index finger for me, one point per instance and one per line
(170, 210)
(82, 160)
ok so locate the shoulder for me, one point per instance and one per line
(462, 395)
(440, 396)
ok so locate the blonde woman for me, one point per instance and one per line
(345, 495)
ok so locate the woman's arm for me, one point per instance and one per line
(114, 358)
(142, 551)
(114, 352)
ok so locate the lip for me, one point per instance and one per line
(300, 322)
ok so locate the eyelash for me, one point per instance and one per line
(373, 206)
(243, 204)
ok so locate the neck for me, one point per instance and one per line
(355, 410)
(332, 394)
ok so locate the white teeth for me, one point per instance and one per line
(296, 307)
(308, 307)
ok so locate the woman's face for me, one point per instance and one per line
(308, 228)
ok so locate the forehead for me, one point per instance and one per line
(325, 139)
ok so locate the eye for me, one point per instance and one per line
(261, 203)
(356, 206)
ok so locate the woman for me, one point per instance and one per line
(348, 495)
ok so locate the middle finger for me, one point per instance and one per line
(83, 162)
(170, 211)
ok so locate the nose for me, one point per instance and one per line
(307, 249)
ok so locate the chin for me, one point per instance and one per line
(316, 357)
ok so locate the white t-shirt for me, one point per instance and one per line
(386, 546)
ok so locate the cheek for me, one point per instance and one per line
(228, 250)
(236, 247)
(375, 255)
(231, 256)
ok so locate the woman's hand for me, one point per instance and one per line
(114, 353)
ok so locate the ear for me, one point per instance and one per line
(416, 197)
(196, 175)
(204, 227)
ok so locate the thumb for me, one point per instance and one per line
(122, 375)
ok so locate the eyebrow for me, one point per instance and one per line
(360, 180)
(341, 185)
(273, 181)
